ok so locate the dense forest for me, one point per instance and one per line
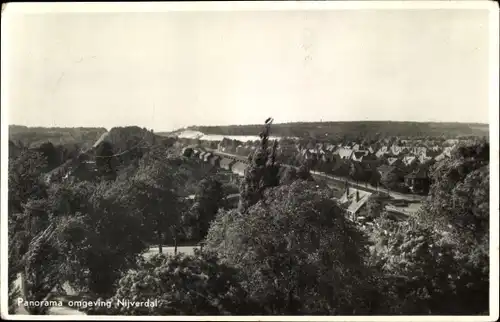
(286, 248)
(352, 130)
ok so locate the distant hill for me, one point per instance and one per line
(353, 130)
(35, 136)
(168, 134)
(131, 142)
(128, 145)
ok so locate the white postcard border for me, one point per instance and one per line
(12, 9)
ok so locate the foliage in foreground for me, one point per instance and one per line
(181, 285)
(424, 272)
(289, 250)
(208, 200)
(297, 252)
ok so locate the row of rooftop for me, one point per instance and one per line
(353, 200)
(404, 166)
(229, 164)
(356, 152)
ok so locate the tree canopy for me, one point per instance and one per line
(286, 245)
(288, 249)
(181, 285)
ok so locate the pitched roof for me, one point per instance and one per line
(445, 154)
(239, 167)
(440, 157)
(409, 159)
(358, 155)
(395, 149)
(419, 150)
(331, 147)
(392, 161)
(383, 150)
(424, 159)
(350, 201)
(344, 153)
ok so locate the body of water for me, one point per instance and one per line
(217, 137)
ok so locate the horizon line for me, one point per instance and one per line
(252, 124)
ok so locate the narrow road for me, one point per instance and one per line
(362, 186)
(369, 187)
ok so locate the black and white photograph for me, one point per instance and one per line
(316, 160)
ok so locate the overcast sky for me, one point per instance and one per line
(170, 70)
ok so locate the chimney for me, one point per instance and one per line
(357, 195)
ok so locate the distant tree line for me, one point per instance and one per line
(365, 130)
(35, 136)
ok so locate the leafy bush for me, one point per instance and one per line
(181, 285)
(297, 252)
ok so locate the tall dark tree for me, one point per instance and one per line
(52, 155)
(25, 179)
(425, 272)
(304, 172)
(262, 173)
(27, 208)
(376, 205)
(106, 161)
(288, 175)
(459, 194)
(18, 240)
(153, 192)
(458, 204)
(374, 178)
(208, 200)
(41, 269)
(390, 180)
(297, 252)
(100, 234)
